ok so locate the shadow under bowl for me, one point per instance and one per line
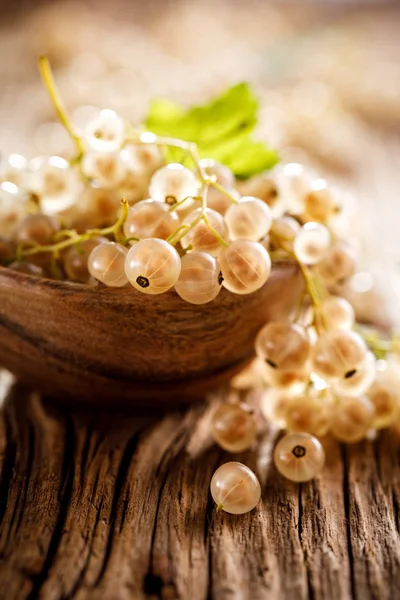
(118, 346)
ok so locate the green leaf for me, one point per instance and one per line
(222, 130)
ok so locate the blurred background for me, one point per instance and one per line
(327, 74)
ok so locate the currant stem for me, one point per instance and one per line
(50, 85)
(75, 238)
(221, 189)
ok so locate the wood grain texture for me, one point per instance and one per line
(95, 506)
(122, 346)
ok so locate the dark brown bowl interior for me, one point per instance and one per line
(116, 345)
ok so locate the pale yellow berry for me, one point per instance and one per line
(200, 278)
(299, 457)
(235, 488)
(152, 266)
(338, 354)
(245, 266)
(385, 398)
(234, 427)
(352, 418)
(283, 345)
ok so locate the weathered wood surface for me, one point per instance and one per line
(107, 507)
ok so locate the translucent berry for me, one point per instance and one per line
(299, 457)
(361, 381)
(352, 418)
(107, 169)
(105, 132)
(294, 181)
(199, 280)
(12, 208)
(200, 237)
(263, 186)
(273, 405)
(311, 243)
(75, 259)
(250, 219)
(283, 345)
(235, 488)
(100, 207)
(284, 230)
(291, 381)
(223, 175)
(234, 428)
(385, 398)
(152, 266)
(173, 183)
(245, 266)
(55, 183)
(338, 264)
(308, 413)
(106, 263)
(320, 203)
(37, 229)
(14, 169)
(147, 156)
(337, 313)
(149, 218)
(338, 354)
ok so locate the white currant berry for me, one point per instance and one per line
(361, 381)
(150, 218)
(338, 354)
(173, 183)
(320, 203)
(200, 278)
(338, 264)
(385, 398)
(200, 237)
(223, 175)
(250, 219)
(12, 208)
(235, 488)
(352, 418)
(105, 132)
(152, 266)
(107, 169)
(14, 169)
(234, 427)
(299, 457)
(283, 345)
(284, 230)
(337, 313)
(55, 183)
(311, 243)
(106, 263)
(245, 266)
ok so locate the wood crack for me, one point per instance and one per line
(66, 483)
(347, 512)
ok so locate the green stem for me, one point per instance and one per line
(56, 248)
(221, 189)
(50, 85)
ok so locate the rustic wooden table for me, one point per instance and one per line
(110, 506)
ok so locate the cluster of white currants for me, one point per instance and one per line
(317, 373)
(195, 229)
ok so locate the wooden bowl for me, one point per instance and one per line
(112, 345)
